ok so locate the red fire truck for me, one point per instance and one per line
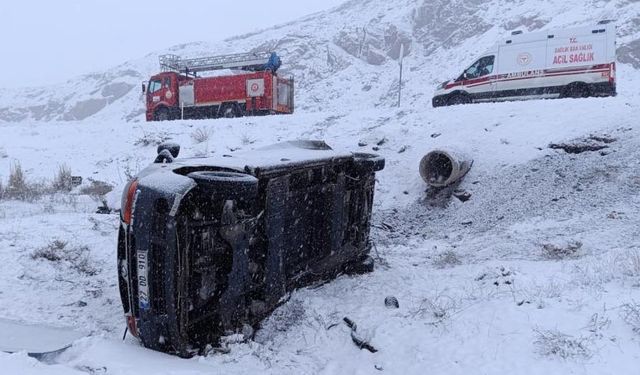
(178, 92)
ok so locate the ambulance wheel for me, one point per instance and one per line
(162, 114)
(576, 90)
(459, 99)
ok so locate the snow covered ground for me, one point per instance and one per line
(538, 273)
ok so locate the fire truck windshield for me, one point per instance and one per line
(155, 86)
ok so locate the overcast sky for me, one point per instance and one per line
(49, 41)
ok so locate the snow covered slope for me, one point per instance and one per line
(344, 57)
(538, 273)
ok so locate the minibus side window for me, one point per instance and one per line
(480, 68)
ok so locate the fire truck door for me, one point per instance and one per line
(154, 91)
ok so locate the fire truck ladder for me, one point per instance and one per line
(258, 61)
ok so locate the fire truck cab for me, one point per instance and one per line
(179, 93)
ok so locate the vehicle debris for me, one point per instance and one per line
(391, 302)
(358, 340)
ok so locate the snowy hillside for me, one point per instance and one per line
(538, 273)
(342, 58)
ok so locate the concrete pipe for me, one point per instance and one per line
(441, 168)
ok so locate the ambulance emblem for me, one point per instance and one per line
(524, 59)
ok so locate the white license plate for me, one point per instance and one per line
(143, 279)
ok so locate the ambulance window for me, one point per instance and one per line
(481, 68)
(487, 68)
(155, 86)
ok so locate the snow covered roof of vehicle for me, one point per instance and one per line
(285, 154)
(266, 160)
(169, 177)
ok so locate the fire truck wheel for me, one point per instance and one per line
(161, 114)
(457, 99)
(229, 111)
(576, 90)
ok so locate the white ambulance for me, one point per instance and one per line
(568, 63)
